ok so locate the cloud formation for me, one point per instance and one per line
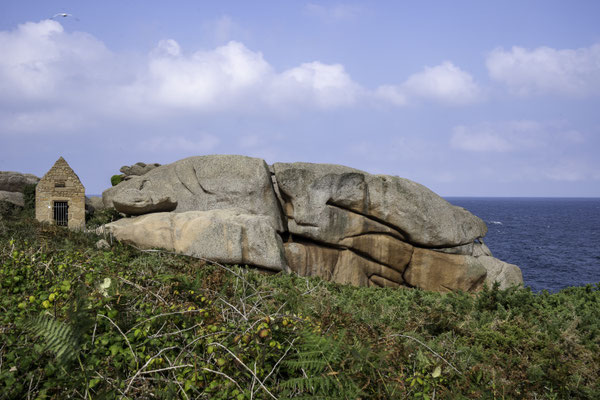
(546, 70)
(41, 63)
(444, 83)
(52, 80)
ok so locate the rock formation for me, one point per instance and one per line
(12, 185)
(11, 181)
(336, 222)
(137, 169)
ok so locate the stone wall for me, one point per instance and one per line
(60, 184)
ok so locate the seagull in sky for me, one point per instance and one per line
(64, 15)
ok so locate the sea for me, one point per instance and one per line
(555, 241)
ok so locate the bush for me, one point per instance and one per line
(116, 179)
(8, 209)
(101, 217)
(29, 198)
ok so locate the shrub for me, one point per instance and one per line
(116, 179)
(101, 217)
(29, 198)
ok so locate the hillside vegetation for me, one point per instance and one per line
(79, 322)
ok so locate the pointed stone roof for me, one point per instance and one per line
(61, 167)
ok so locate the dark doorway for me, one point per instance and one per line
(61, 213)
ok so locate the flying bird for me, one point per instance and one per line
(64, 15)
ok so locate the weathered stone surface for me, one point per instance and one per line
(11, 181)
(339, 265)
(382, 249)
(507, 275)
(137, 169)
(439, 272)
(227, 236)
(15, 198)
(311, 191)
(480, 249)
(135, 202)
(203, 183)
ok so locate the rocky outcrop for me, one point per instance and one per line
(228, 236)
(336, 222)
(15, 181)
(137, 169)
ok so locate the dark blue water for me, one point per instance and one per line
(555, 241)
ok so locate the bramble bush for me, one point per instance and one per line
(79, 322)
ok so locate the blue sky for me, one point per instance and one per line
(469, 98)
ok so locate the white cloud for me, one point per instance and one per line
(213, 79)
(326, 85)
(444, 83)
(42, 62)
(547, 70)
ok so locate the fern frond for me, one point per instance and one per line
(58, 336)
(321, 359)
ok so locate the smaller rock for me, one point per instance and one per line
(507, 275)
(137, 169)
(15, 198)
(102, 245)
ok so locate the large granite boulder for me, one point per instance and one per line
(200, 183)
(336, 222)
(11, 181)
(227, 236)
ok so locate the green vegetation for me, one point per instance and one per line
(116, 179)
(78, 322)
(101, 217)
(29, 198)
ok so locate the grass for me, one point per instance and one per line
(79, 322)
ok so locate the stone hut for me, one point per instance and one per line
(60, 197)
